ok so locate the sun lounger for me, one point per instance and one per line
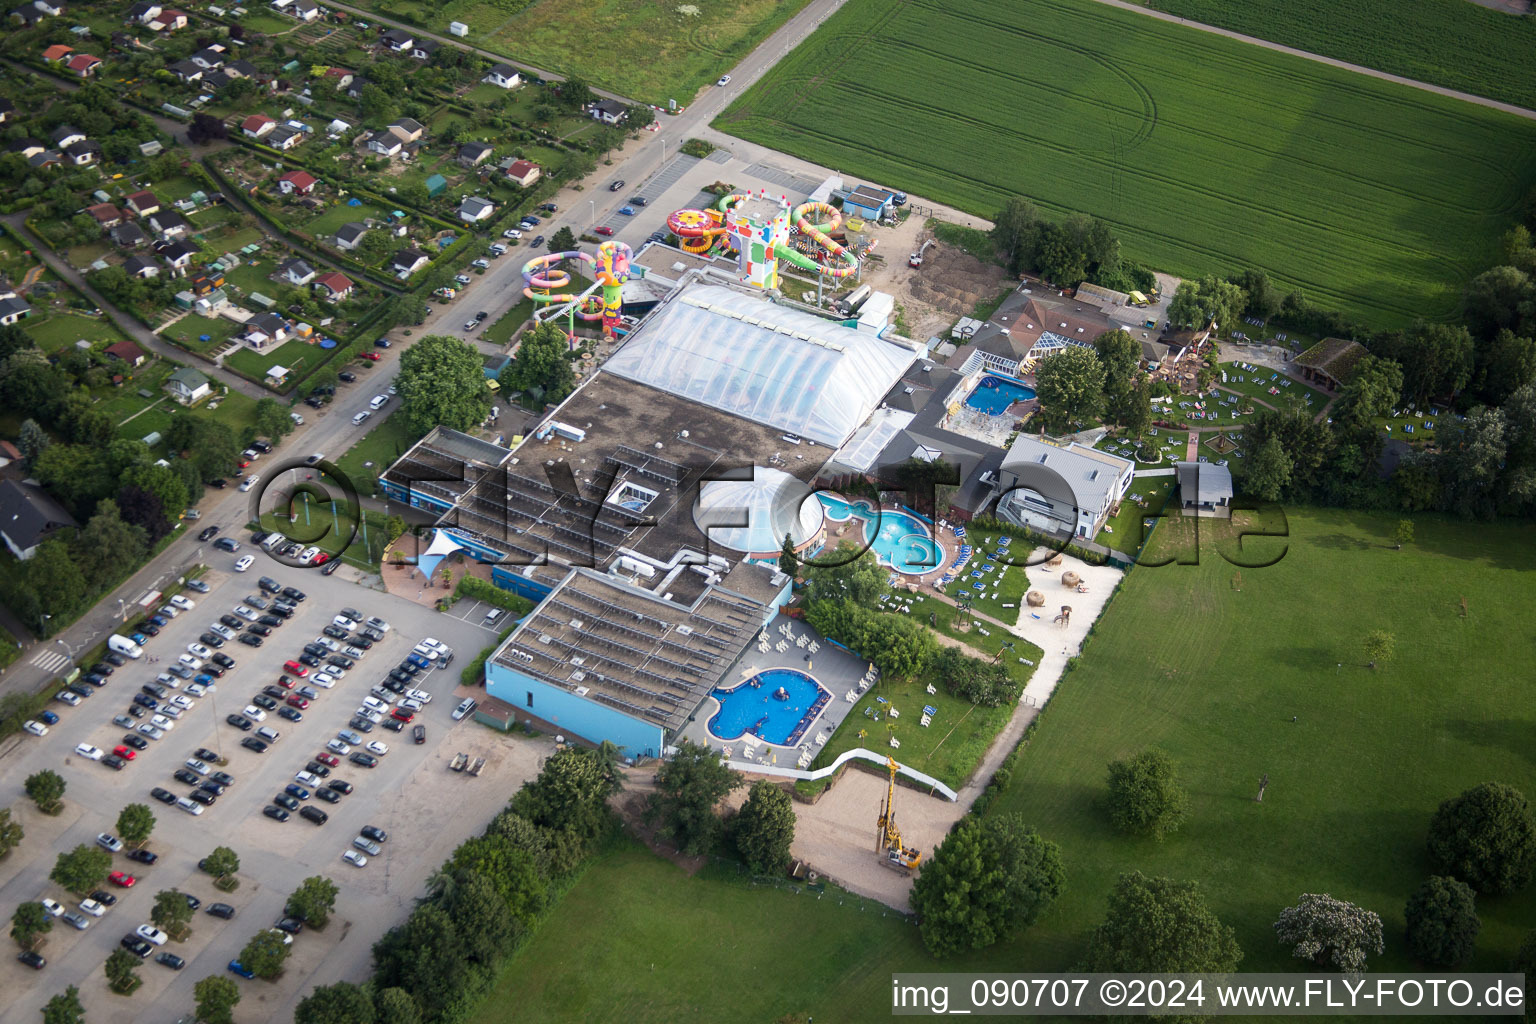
(895, 742)
(927, 720)
(932, 688)
(895, 713)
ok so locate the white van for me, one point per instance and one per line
(123, 645)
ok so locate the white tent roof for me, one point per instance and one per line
(754, 515)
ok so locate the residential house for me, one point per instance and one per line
(1204, 489)
(51, 8)
(187, 386)
(1331, 362)
(66, 135)
(296, 271)
(83, 153)
(423, 49)
(204, 283)
(409, 129)
(13, 308)
(504, 75)
(398, 40)
(215, 80)
(128, 236)
(334, 286)
(141, 266)
(1061, 487)
(167, 21)
(47, 158)
(143, 12)
(285, 137)
(1026, 328)
(105, 214)
(354, 86)
(523, 173)
(185, 71)
(33, 13)
(209, 57)
(473, 209)
(6, 108)
(258, 126)
(608, 111)
(169, 224)
(408, 261)
(177, 255)
(473, 154)
(83, 64)
(28, 516)
(281, 6)
(350, 235)
(128, 352)
(57, 52)
(142, 203)
(241, 69)
(296, 183)
(27, 148)
(265, 331)
(386, 142)
(304, 10)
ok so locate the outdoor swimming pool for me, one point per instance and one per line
(751, 707)
(993, 395)
(900, 540)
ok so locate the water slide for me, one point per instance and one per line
(545, 280)
(698, 231)
(840, 261)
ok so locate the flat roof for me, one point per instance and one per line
(671, 263)
(445, 464)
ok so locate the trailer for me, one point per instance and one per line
(476, 768)
(459, 761)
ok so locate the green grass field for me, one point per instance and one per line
(1446, 42)
(66, 327)
(1204, 154)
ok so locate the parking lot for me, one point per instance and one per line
(425, 808)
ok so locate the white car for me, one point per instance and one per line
(436, 646)
(324, 680)
(369, 714)
(92, 907)
(195, 664)
(107, 841)
(250, 481)
(378, 401)
(328, 643)
(354, 858)
(378, 747)
(161, 722)
(374, 622)
(149, 933)
(201, 767)
(167, 680)
(358, 418)
(309, 779)
(64, 696)
(511, 233)
(308, 555)
(410, 705)
(419, 695)
(199, 650)
(355, 653)
(254, 713)
(186, 604)
(171, 711)
(35, 727)
(89, 752)
(342, 622)
(222, 630)
(190, 806)
(338, 747)
(197, 689)
(465, 707)
(374, 704)
(181, 702)
(53, 907)
(248, 614)
(724, 81)
(245, 563)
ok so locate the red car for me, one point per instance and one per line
(604, 230)
(122, 878)
(372, 357)
(330, 759)
(296, 668)
(321, 559)
(295, 701)
(285, 682)
(126, 753)
(402, 715)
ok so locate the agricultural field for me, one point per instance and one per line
(651, 52)
(1204, 154)
(1453, 43)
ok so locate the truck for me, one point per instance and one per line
(459, 761)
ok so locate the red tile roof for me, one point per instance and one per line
(58, 51)
(255, 122)
(82, 62)
(301, 180)
(337, 283)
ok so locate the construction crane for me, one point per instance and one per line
(887, 836)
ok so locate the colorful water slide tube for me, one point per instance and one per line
(612, 271)
(698, 231)
(840, 262)
(544, 280)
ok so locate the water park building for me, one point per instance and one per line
(1061, 487)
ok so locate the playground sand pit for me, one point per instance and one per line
(946, 287)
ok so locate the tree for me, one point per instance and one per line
(1500, 298)
(1472, 456)
(313, 901)
(424, 956)
(1442, 922)
(687, 789)
(1158, 924)
(1330, 932)
(1120, 355)
(1403, 534)
(1014, 230)
(30, 923)
(543, 360)
(216, 998)
(11, 832)
(206, 128)
(789, 564)
(1070, 384)
(1263, 300)
(570, 794)
(989, 878)
(341, 1003)
(61, 586)
(1134, 411)
(272, 419)
(1197, 304)
(1486, 838)
(135, 823)
(396, 1006)
(82, 869)
(222, 862)
(562, 240)
(1504, 363)
(1144, 795)
(442, 382)
(574, 93)
(265, 954)
(1269, 471)
(765, 828)
(64, 1008)
(1372, 390)
(1378, 645)
(845, 573)
(31, 442)
(122, 970)
(171, 912)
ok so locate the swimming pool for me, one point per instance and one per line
(900, 540)
(752, 707)
(993, 395)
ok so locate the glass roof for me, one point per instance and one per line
(755, 515)
(744, 355)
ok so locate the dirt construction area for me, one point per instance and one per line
(945, 288)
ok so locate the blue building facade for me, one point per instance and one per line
(569, 712)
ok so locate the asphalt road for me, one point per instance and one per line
(426, 809)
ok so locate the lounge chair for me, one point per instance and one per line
(927, 720)
(895, 742)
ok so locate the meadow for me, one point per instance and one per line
(1453, 43)
(1203, 154)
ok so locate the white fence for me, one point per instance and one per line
(842, 759)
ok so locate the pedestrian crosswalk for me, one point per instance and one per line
(50, 660)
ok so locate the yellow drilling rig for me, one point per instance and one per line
(888, 837)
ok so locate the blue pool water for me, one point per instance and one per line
(900, 540)
(751, 707)
(993, 395)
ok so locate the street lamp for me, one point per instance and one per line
(122, 611)
(592, 222)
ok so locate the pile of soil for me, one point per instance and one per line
(955, 281)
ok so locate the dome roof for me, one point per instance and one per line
(771, 504)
